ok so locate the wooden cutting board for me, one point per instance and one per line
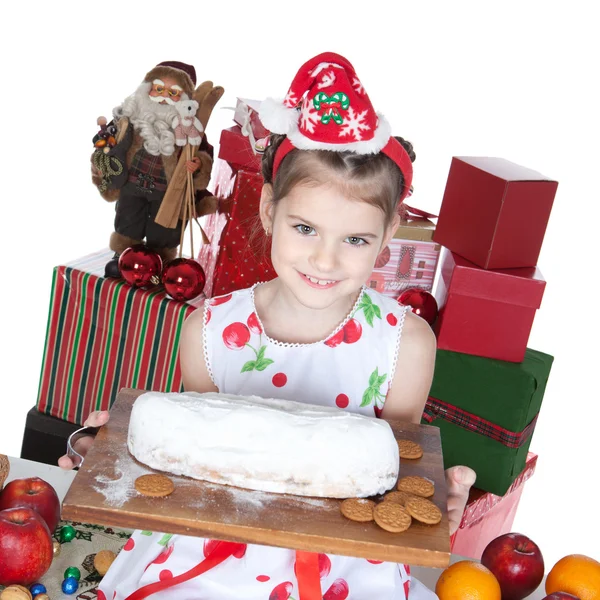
(103, 492)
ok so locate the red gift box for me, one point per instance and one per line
(488, 516)
(236, 149)
(495, 212)
(246, 115)
(237, 255)
(484, 312)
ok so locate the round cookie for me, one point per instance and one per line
(358, 509)
(15, 592)
(103, 560)
(392, 517)
(4, 469)
(423, 510)
(154, 485)
(409, 450)
(419, 486)
(398, 497)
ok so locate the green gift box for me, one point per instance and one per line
(486, 410)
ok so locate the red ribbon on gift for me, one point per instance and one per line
(438, 409)
(408, 213)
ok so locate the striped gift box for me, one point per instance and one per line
(103, 335)
(410, 260)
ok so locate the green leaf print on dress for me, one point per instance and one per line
(370, 309)
(372, 393)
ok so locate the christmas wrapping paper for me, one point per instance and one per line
(488, 516)
(103, 335)
(236, 148)
(409, 261)
(486, 312)
(246, 116)
(486, 410)
(495, 212)
(238, 254)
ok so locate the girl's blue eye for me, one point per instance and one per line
(356, 241)
(305, 229)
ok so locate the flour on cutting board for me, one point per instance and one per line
(119, 487)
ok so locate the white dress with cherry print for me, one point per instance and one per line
(351, 369)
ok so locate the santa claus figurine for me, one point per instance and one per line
(137, 170)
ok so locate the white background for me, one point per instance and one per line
(516, 80)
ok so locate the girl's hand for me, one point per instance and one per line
(193, 165)
(82, 445)
(459, 480)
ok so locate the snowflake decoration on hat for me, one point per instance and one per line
(358, 86)
(327, 80)
(353, 124)
(309, 117)
(290, 99)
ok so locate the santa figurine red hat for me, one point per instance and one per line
(327, 108)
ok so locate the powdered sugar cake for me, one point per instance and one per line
(103, 492)
(264, 444)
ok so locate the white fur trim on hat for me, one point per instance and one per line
(372, 146)
(277, 117)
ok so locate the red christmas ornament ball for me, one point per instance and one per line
(421, 302)
(140, 266)
(183, 279)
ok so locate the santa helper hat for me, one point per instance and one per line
(327, 108)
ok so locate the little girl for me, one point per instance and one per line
(334, 179)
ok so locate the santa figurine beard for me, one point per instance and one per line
(151, 119)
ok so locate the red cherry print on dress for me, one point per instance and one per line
(221, 300)
(352, 331)
(129, 545)
(406, 586)
(163, 556)
(375, 562)
(114, 594)
(236, 336)
(378, 411)
(335, 340)
(100, 595)
(337, 591)
(262, 578)
(282, 591)
(208, 315)
(279, 379)
(165, 574)
(240, 550)
(392, 320)
(342, 400)
(253, 324)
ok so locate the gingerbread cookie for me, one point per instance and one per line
(409, 450)
(103, 560)
(423, 510)
(398, 497)
(419, 486)
(154, 485)
(392, 517)
(4, 469)
(358, 509)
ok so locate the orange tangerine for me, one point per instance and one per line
(467, 580)
(575, 574)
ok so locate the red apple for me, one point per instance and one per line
(25, 546)
(34, 493)
(516, 562)
(560, 596)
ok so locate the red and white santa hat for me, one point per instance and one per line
(327, 108)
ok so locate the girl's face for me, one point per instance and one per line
(324, 243)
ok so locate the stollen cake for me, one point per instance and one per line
(264, 444)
